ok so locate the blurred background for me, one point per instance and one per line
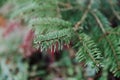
(18, 59)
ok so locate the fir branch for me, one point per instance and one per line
(89, 54)
(108, 40)
(88, 51)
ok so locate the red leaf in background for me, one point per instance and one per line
(51, 51)
(66, 46)
(57, 47)
(10, 27)
(2, 22)
(27, 43)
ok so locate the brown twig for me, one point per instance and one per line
(99, 22)
(83, 17)
(67, 5)
(114, 11)
(107, 33)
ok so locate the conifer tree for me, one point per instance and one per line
(90, 28)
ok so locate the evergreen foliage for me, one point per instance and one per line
(90, 27)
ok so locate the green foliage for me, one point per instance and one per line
(50, 31)
(88, 51)
(84, 26)
(112, 51)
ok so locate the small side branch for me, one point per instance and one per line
(114, 11)
(99, 22)
(83, 17)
